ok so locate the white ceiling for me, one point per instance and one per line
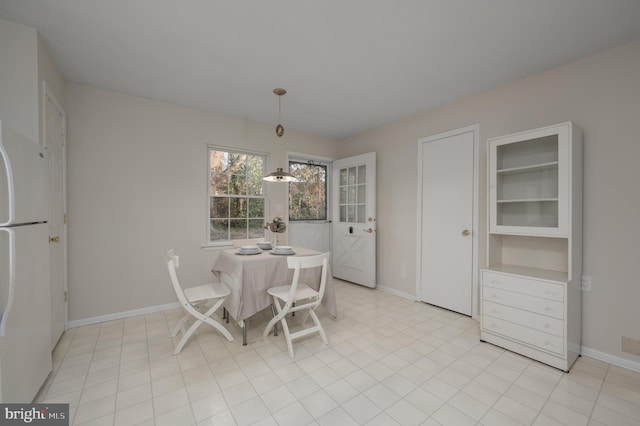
(348, 65)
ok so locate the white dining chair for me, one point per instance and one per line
(194, 300)
(299, 297)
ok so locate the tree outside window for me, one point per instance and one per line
(308, 197)
(236, 198)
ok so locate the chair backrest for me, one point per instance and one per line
(172, 264)
(306, 262)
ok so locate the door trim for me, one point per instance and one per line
(47, 94)
(475, 235)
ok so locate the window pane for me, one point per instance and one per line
(256, 207)
(308, 197)
(238, 229)
(237, 184)
(255, 171)
(238, 208)
(256, 228)
(362, 212)
(219, 230)
(219, 207)
(219, 183)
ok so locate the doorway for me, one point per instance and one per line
(448, 186)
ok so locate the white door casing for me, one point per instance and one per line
(448, 221)
(354, 219)
(54, 133)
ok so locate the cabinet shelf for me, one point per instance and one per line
(524, 169)
(528, 200)
(541, 274)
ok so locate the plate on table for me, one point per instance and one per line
(246, 250)
(283, 250)
(265, 245)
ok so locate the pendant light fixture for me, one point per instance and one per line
(279, 175)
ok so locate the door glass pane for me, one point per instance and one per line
(362, 175)
(352, 176)
(343, 177)
(351, 213)
(343, 213)
(362, 194)
(362, 213)
(343, 195)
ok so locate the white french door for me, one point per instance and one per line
(447, 219)
(354, 219)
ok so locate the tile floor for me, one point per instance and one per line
(389, 361)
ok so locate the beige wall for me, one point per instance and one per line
(601, 94)
(19, 78)
(137, 187)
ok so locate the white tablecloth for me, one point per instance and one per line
(249, 276)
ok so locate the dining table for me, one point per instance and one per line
(249, 276)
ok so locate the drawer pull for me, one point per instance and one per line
(546, 325)
(547, 309)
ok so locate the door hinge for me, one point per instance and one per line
(65, 296)
(65, 219)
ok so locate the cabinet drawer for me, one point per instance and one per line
(528, 319)
(527, 335)
(524, 285)
(523, 301)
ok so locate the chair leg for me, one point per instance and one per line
(315, 319)
(275, 326)
(271, 323)
(215, 324)
(186, 336)
(180, 325)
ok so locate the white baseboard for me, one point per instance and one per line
(407, 296)
(120, 315)
(611, 359)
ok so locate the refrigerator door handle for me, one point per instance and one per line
(9, 190)
(4, 314)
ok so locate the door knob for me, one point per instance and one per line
(466, 233)
(54, 239)
(368, 230)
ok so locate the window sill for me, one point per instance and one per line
(217, 246)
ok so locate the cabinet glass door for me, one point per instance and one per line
(527, 183)
(526, 191)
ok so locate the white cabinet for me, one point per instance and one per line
(530, 291)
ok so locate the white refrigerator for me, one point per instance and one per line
(25, 294)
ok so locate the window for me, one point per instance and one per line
(236, 197)
(308, 198)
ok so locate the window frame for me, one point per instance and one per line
(224, 243)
